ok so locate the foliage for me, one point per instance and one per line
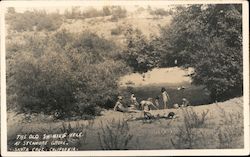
(161, 12)
(33, 20)
(209, 39)
(65, 73)
(141, 54)
(233, 127)
(115, 135)
(116, 12)
(194, 120)
(117, 31)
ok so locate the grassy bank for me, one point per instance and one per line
(217, 125)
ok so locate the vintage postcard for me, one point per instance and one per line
(124, 78)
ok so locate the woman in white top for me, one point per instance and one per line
(165, 97)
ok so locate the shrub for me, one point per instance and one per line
(114, 135)
(37, 20)
(117, 13)
(230, 129)
(187, 136)
(64, 73)
(193, 119)
(160, 12)
(116, 31)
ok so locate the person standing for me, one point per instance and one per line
(165, 97)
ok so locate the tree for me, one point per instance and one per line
(106, 11)
(11, 10)
(140, 53)
(209, 39)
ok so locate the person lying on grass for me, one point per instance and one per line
(145, 106)
(122, 108)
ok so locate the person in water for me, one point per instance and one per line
(185, 102)
(165, 97)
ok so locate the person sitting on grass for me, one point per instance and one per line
(122, 108)
(134, 103)
(157, 99)
(119, 106)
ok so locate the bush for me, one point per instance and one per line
(114, 135)
(32, 21)
(117, 13)
(160, 12)
(71, 78)
(116, 31)
(230, 129)
(194, 120)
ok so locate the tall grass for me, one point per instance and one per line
(114, 135)
(187, 136)
(193, 133)
(230, 128)
(193, 120)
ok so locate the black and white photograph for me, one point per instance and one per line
(124, 77)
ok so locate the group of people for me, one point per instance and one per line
(146, 105)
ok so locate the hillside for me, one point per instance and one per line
(104, 25)
(145, 22)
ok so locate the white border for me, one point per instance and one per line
(229, 152)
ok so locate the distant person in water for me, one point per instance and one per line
(185, 102)
(165, 97)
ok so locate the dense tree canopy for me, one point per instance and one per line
(209, 39)
(140, 53)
